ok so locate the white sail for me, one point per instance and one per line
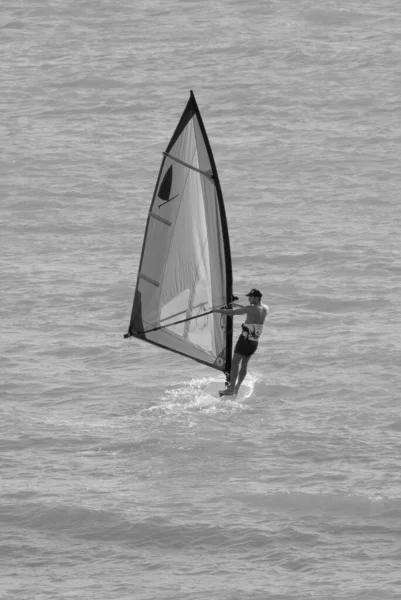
(185, 268)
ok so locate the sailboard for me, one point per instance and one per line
(185, 270)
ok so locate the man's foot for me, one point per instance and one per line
(227, 392)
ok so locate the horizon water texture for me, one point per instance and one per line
(120, 478)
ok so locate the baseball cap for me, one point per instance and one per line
(255, 292)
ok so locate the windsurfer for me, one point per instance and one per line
(247, 343)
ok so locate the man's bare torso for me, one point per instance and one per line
(256, 313)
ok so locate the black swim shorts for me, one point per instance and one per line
(245, 347)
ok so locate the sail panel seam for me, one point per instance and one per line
(161, 219)
(149, 279)
(185, 164)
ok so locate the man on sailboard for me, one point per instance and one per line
(247, 343)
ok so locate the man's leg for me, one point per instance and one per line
(234, 373)
(234, 370)
(242, 373)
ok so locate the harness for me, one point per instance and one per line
(252, 331)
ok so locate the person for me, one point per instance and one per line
(248, 341)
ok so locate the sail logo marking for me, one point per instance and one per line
(165, 187)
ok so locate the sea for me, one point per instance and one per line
(121, 479)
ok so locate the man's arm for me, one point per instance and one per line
(232, 311)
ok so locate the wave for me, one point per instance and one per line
(334, 504)
(295, 517)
